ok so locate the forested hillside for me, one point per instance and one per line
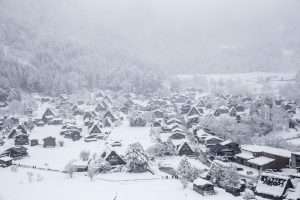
(32, 63)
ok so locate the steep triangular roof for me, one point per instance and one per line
(48, 112)
(95, 129)
(193, 111)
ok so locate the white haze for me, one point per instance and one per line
(177, 35)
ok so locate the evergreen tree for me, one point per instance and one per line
(136, 158)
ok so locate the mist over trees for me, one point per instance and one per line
(135, 45)
(33, 64)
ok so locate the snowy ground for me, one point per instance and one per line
(252, 81)
(59, 186)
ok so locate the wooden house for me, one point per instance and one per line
(232, 112)
(112, 157)
(5, 161)
(195, 111)
(101, 107)
(21, 139)
(73, 134)
(263, 157)
(88, 118)
(95, 130)
(107, 122)
(157, 123)
(221, 110)
(184, 149)
(273, 186)
(158, 114)
(48, 115)
(22, 129)
(39, 122)
(203, 186)
(55, 121)
(212, 140)
(3, 104)
(107, 100)
(177, 136)
(109, 115)
(185, 108)
(49, 142)
(15, 152)
(295, 160)
(226, 149)
(138, 121)
(13, 133)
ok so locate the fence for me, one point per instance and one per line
(37, 168)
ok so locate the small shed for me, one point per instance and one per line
(5, 161)
(34, 142)
(203, 186)
(49, 142)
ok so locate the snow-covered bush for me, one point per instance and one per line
(162, 149)
(39, 178)
(91, 172)
(216, 174)
(201, 155)
(248, 195)
(61, 143)
(184, 169)
(84, 155)
(30, 177)
(14, 168)
(70, 169)
(184, 183)
(187, 172)
(136, 158)
(98, 165)
(231, 178)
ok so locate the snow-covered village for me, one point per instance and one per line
(149, 99)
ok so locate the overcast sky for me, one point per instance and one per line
(179, 35)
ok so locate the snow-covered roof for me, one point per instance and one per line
(245, 155)
(179, 142)
(296, 153)
(295, 193)
(266, 184)
(212, 137)
(192, 116)
(271, 150)
(226, 142)
(201, 182)
(260, 161)
(6, 158)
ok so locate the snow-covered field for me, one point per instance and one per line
(16, 186)
(250, 81)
